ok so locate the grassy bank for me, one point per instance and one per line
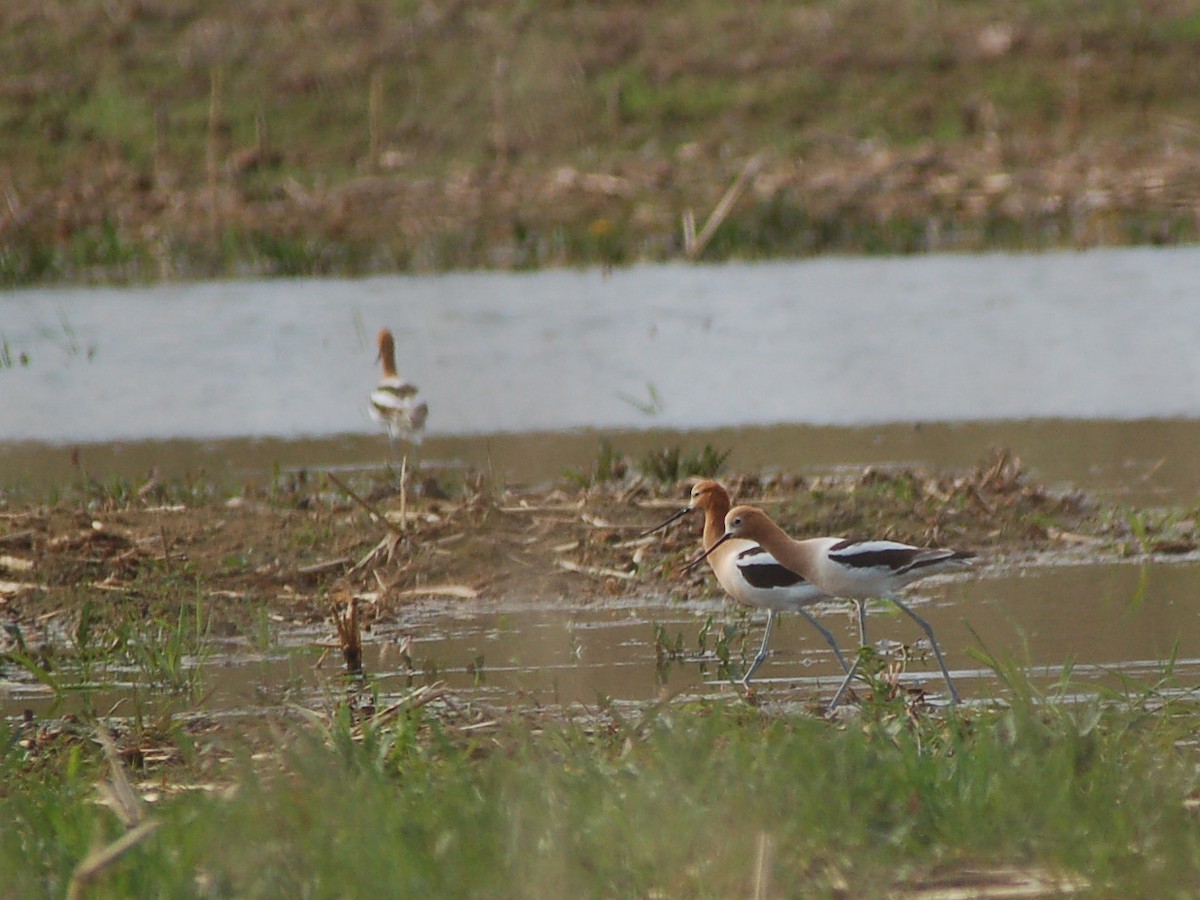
(709, 801)
(149, 140)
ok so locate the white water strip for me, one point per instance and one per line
(1101, 334)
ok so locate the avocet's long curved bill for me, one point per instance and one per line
(703, 556)
(679, 514)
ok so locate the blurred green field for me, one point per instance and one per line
(145, 139)
(706, 800)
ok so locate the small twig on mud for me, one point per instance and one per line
(375, 513)
(162, 533)
(456, 591)
(415, 699)
(542, 508)
(321, 568)
(1153, 470)
(595, 571)
(605, 525)
(383, 586)
(153, 485)
(384, 550)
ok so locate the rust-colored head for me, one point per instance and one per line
(708, 495)
(747, 522)
(713, 499)
(387, 352)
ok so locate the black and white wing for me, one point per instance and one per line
(761, 570)
(896, 559)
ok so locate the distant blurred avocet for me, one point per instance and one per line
(395, 402)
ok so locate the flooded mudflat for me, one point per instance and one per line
(813, 370)
(1139, 616)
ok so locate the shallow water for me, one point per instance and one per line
(1137, 616)
(1086, 365)
(1106, 334)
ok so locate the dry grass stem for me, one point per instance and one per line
(120, 797)
(370, 508)
(349, 632)
(723, 207)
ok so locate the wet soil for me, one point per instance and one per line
(290, 549)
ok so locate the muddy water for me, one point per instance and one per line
(1114, 626)
(1087, 365)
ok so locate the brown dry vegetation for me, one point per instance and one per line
(153, 139)
(565, 546)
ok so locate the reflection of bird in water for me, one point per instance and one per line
(750, 575)
(854, 570)
(394, 402)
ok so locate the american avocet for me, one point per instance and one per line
(854, 570)
(749, 574)
(394, 402)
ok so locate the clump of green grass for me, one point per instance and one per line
(621, 805)
(668, 465)
(104, 249)
(170, 653)
(723, 639)
(651, 406)
(284, 256)
(164, 651)
(8, 358)
(609, 465)
(666, 650)
(903, 485)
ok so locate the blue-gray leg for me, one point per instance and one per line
(762, 650)
(925, 626)
(937, 651)
(861, 609)
(829, 638)
(844, 686)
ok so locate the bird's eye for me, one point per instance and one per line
(737, 523)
